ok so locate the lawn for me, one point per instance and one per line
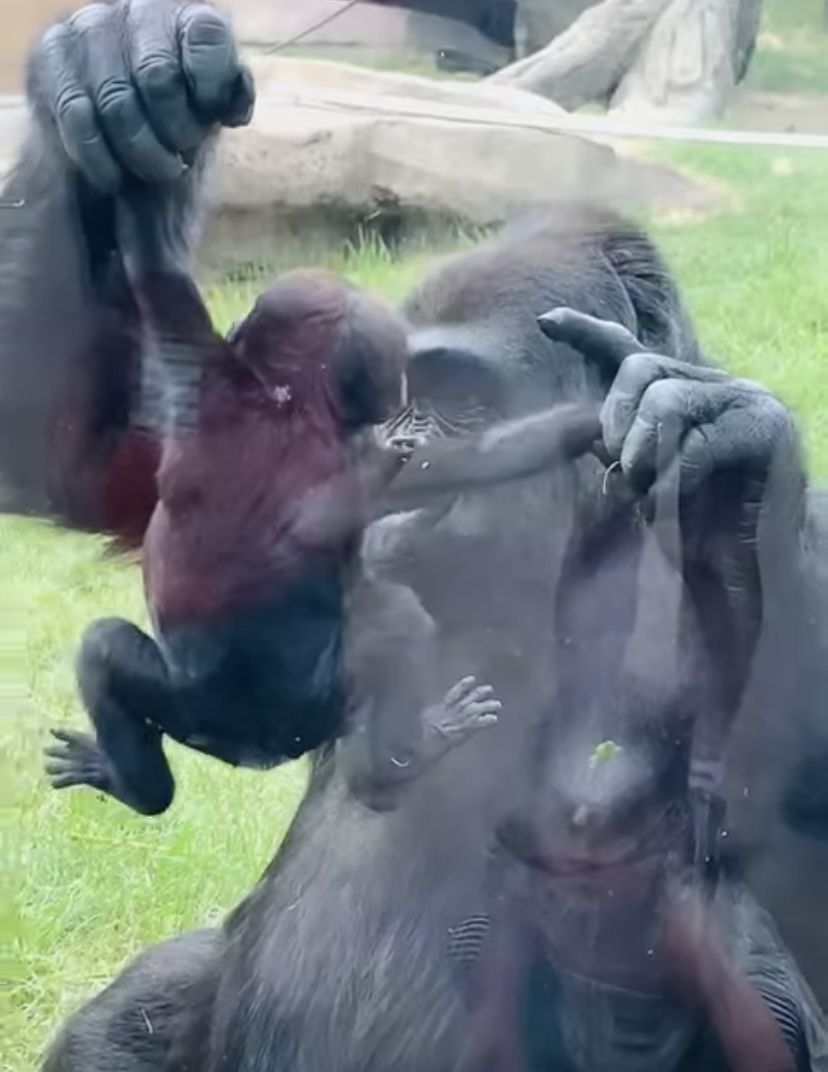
(792, 51)
(90, 883)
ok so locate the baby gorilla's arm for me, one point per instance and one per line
(507, 451)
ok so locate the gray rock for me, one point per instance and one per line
(334, 148)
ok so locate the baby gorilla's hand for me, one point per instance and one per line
(466, 708)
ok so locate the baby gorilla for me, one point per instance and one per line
(271, 639)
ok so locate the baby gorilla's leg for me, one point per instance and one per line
(125, 687)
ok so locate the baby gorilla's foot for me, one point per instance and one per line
(142, 781)
(77, 759)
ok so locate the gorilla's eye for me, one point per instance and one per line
(460, 385)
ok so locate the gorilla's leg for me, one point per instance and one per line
(132, 1024)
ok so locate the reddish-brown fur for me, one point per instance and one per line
(270, 430)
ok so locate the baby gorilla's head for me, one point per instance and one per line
(311, 336)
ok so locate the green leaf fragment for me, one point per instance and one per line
(604, 752)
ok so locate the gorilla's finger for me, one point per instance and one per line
(620, 408)
(119, 107)
(210, 60)
(156, 71)
(602, 342)
(655, 437)
(56, 86)
(718, 426)
(239, 111)
(639, 373)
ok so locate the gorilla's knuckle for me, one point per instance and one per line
(52, 43)
(90, 17)
(74, 110)
(640, 368)
(157, 76)
(206, 27)
(665, 396)
(116, 100)
(774, 415)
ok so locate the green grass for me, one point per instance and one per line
(792, 51)
(756, 276)
(92, 884)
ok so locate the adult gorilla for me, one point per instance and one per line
(338, 958)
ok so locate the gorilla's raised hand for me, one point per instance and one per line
(134, 89)
(722, 454)
(671, 420)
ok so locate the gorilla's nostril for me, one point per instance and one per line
(407, 442)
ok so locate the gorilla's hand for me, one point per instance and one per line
(674, 421)
(133, 89)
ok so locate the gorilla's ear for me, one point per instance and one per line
(603, 343)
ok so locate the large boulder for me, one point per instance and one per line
(334, 149)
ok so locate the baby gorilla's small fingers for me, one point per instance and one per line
(67, 736)
(487, 717)
(65, 781)
(65, 771)
(480, 693)
(457, 692)
(72, 742)
(55, 752)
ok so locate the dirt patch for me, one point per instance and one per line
(788, 113)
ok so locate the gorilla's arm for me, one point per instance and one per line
(718, 463)
(118, 93)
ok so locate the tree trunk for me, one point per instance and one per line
(687, 68)
(537, 22)
(588, 60)
(675, 60)
(747, 30)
